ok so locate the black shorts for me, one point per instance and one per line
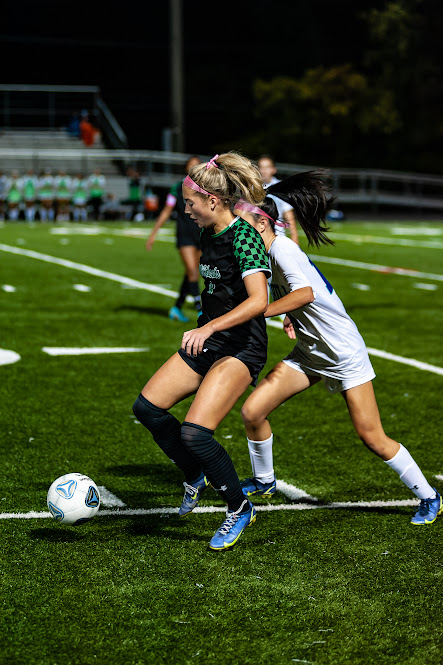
(188, 233)
(204, 361)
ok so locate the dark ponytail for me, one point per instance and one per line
(308, 193)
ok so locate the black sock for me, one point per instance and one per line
(195, 293)
(166, 431)
(215, 462)
(184, 290)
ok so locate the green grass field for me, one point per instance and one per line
(309, 582)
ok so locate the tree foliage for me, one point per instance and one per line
(364, 113)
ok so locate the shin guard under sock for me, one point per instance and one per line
(214, 461)
(166, 431)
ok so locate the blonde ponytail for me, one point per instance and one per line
(236, 177)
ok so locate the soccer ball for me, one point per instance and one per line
(73, 499)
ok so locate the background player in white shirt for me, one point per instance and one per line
(286, 217)
(329, 347)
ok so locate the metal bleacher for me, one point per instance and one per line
(24, 145)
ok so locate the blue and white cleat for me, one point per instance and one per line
(233, 526)
(176, 314)
(428, 510)
(192, 495)
(252, 486)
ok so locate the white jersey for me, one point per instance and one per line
(328, 341)
(282, 206)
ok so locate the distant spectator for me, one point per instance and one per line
(111, 209)
(135, 191)
(30, 185)
(151, 203)
(97, 185)
(88, 133)
(80, 191)
(73, 127)
(4, 188)
(46, 196)
(14, 196)
(62, 186)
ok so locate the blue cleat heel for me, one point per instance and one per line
(192, 495)
(252, 486)
(428, 510)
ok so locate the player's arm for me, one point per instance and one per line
(290, 302)
(255, 304)
(164, 215)
(289, 217)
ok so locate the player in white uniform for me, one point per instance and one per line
(286, 218)
(329, 346)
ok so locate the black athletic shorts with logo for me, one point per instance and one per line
(203, 362)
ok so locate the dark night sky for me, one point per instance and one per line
(123, 48)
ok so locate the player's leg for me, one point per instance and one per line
(282, 383)
(174, 381)
(222, 386)
(365, 417)
(190, 256)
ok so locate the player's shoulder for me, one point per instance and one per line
(243, 230)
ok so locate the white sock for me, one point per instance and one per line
(260, 453)
(410, 474)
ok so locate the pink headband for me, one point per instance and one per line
(188, 182)
(249, 207)
(212, 162)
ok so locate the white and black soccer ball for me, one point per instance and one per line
(73, 499)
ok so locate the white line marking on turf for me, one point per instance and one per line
(379, 240)
(375, 267)
(109, 499)
(134, 512)
(361, 287)
(83, 351)
(8, 288)
(439, 477)
(81, 287)
(87, 269)
(8, 357)
(416, 231)
(293, 492)
(386, 356)
(173, 294)
(406, 361)
(426, 287)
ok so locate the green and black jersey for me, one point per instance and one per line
(226, 259)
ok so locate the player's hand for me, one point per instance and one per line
(193, 340)
(288, 327)
(150, 242)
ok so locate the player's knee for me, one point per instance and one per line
(198, 440)
(251, 415)
(146, 412)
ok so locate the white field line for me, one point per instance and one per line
(109, 499)
(173, 294)
(81, 351)
(379, 240)
(375, 267)
(293, 492)
(134, 512)
(385, 355)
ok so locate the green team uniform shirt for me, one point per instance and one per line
(226, 259)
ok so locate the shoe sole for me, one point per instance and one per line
(231, 545)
